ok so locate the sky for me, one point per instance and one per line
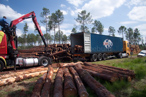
(116, 13)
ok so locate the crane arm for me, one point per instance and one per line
(26, 16)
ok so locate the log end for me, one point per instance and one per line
(84, 94)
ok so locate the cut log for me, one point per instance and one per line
(58, 84)
(102, 76)
(69, 85)
(58, 53)
(38, 86)
(98, 88)
(81, 88)
(47, 85)
(17, 78)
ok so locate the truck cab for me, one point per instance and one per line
(126, 48)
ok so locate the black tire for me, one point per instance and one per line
(44, 61)
(94, 58)
(1, 65)
(104, 56)
(99, 57)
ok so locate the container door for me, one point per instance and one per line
(87, 43)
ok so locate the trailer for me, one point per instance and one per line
(97, 47)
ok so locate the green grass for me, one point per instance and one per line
(136, 88)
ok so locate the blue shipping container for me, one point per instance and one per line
(96, 43)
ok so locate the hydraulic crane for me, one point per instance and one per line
(9, 54)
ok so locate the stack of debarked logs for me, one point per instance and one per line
(71, 77)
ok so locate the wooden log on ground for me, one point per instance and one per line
(47, 85)
(69, 64)
(102, 76)
(81, 88)
(69, 85)
(58, 84)
(108, 72)
(38, 86)
(17, 78)
(119, 70)
(112, 68)
(98, 88)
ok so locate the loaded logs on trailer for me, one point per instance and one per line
(58, 52)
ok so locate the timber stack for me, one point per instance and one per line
(72, 78)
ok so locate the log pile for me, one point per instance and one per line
(72, 78)
(58, 52)
(136, 49)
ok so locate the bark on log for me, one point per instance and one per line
(99, 89)
(112, 68)
(58, 84)
(119, 70)
(38, 86)
(108, 72)
(17, 78)
(102, 76)
(69, 64)
(58, 53)
(47, 85)
(81, 88)
(69, 85)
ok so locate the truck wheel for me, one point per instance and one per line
(104, 56)
(1, 65)
(44, 61)
(99, 57)
(94, 58)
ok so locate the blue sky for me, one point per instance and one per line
(130, 13)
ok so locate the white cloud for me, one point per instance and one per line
(128, 22)
(19, 32)
(76, 2)
(136, 2)
(100, 8)
(62, 5)
(66, 25)
(138, 13)
(8, 12)
(64, 12)
(142, 29)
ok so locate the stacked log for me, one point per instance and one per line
(58, 84)
(111, 71)
(38, 86)
(57, 52)
(81, 88)
(136, 49)
(98, 88)
(47, 85)
(69, 85)
(17, 78)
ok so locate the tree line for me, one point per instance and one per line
(84, 18)
(53, 21)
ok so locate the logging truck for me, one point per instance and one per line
(8, 46)
(95, 47)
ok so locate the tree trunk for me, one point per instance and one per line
(81, 88)
(38, 86)
(69, 85)
(47, 85)
(98, 88)
(58, 84)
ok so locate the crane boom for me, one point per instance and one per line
(20, 19)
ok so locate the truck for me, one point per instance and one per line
(9, 54)
(98, 47)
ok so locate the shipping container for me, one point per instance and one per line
(95, 44)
